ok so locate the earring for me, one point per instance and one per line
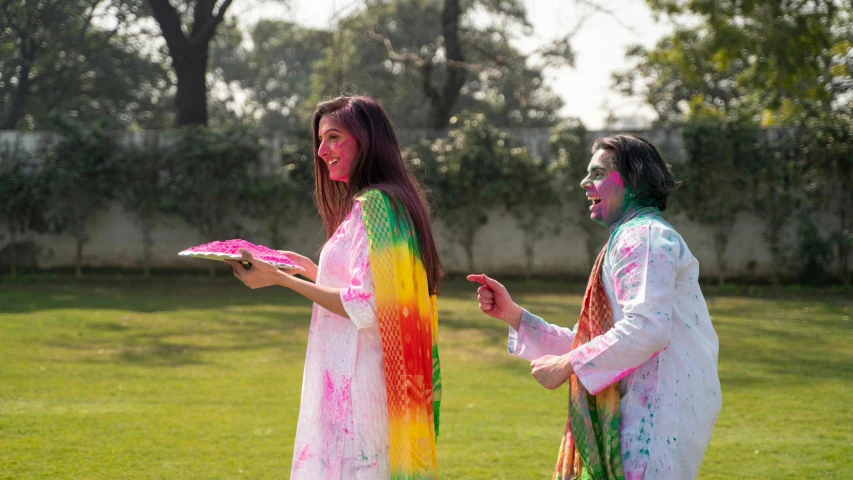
(631, 195)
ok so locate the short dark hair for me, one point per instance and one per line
(641, 167)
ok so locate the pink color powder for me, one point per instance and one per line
(233, 246)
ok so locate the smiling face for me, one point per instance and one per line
(605, 189)
(338, 149)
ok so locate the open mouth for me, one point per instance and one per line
(594, 200)
(334, 162)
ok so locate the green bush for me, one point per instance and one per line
(81, 175)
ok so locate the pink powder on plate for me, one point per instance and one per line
(231, 249)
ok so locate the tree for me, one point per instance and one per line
(777, 60)
(189, 52)
(427, 60)
(470, 174)
(274, 76)
(80, 174)
(24, 196)
(56, 57)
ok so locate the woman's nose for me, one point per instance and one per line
(323, 150)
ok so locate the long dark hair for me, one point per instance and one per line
(378, 165)
(641, 166)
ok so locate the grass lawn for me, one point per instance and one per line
(180, 378)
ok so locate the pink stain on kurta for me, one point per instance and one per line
(303, 456)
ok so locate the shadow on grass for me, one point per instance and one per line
(761, 339)
(140, 296)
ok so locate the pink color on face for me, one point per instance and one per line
(603, 182)
(338, 149)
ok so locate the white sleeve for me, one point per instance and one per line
(536, 338)
(359, 298)
(644, 260)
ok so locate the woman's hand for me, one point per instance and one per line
(310, 267)
(494, 301)
(551, 371)
(262, 274)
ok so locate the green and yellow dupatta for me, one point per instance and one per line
(408, 323)
(590, 449)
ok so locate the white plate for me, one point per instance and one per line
(226, 256)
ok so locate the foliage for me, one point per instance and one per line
(571, 154)
(278, 198)
(814, 253)
(208, 173)
(142, 191)
(470, 173)
(532, 200)
(827, 148)
(716, 186)
(776, 170)
(776, 60)
(81, 177)
(405, 61)
(274, 76)
(24, 196)
(57, 57)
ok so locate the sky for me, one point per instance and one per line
(599, 46)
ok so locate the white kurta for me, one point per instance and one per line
(343, 417)
(662, 349)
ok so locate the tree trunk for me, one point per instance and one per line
(442, 102)
(468, 245)
(721, 242)
(191, 97)
(22, 92)
(146, 225)
(13, 261)
(189, 54)
(529, 251)
(78, 262)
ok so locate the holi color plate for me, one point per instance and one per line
(230, 250)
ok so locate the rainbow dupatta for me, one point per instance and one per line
(408, 323)
(590, 449)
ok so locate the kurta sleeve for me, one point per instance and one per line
(359, 298)
(536, 337)
(644, 260)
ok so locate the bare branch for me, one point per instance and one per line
(206, 32)
(170, 24)
(411, 58)
(609, 12)
(417, 61)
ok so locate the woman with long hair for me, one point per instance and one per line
(371, 386)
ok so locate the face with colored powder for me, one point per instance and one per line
(338, 149)
(605, 189)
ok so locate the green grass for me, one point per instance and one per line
(194, 378)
